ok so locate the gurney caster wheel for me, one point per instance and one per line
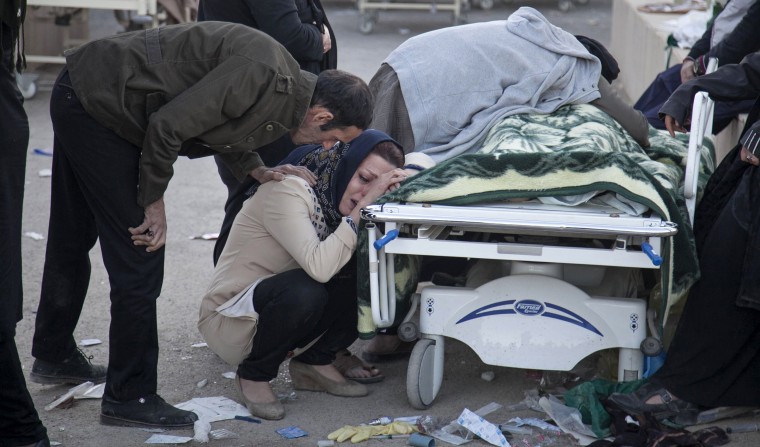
(420, 387)
(366, 23)
(485, 5)
(408, 331)
(651, 347)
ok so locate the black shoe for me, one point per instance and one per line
(149, 411)
(76, 369)
(635, 403)
(41, 443)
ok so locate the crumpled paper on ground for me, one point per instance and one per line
(482, 428)
(86, 390)
(214, 409)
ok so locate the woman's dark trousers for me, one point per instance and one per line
(294, 309)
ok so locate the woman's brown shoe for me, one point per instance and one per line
(272, 411)
(306, 377)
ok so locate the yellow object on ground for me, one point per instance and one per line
(363, 432)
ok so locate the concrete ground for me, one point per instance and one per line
(194, 207)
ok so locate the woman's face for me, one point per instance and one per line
(369, 170)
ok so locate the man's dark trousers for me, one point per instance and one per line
(19, 421)
(94, 196)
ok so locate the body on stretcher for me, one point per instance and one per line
(537, 317)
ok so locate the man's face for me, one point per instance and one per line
(310, 132)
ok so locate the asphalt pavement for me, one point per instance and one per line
(194, 201)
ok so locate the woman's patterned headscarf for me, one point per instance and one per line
(334, 168)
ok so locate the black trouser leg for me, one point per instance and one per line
(97, 176)
(19, 422)
(714, 358)
(14, 137)
(290, 306)
(339, 319)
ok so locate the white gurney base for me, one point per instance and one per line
(523, 321)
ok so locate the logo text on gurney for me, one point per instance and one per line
(529, 307)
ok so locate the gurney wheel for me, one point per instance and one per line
(651, 347)
(367, 23)
(485, 5)
(420, 387)
(408, 331)
(27, 86)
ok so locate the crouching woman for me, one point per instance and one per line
(278, 288)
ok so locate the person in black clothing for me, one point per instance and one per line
(20, 424)
(714, 357)
(728, 44)
(301, 26)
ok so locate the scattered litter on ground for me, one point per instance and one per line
(325, 443)
(291, 432)
(90, 342)
(568, 419)
(153, 430)
(45, 173)
(202, 344)
(404, 31)
(45, 152)
(55, 443)
(223, 433)
(380, 421)
(34, 235)
(454, 433)
(207, 236)
(214, 409)
(86, 390)
(743, 428)
(420, 440)
(168, 439)
(248, 419)
(201, 383)
(535, 422)
(488, 376)
(201, 429)
(529, 403)
(395, 429)
(482, 428)
(229, 375)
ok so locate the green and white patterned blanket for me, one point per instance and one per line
(573, 151)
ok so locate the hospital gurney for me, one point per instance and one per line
(538, 317)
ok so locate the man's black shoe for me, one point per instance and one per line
(149, 411)
(76, 369)
(41, 443)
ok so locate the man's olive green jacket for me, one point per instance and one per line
(194, 89)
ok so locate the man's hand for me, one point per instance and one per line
(687, 70)
(326, 41)
(672, 125)
(748, 157)
(152, 232)
(263, 174)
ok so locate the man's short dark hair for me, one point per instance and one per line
(346, 96)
